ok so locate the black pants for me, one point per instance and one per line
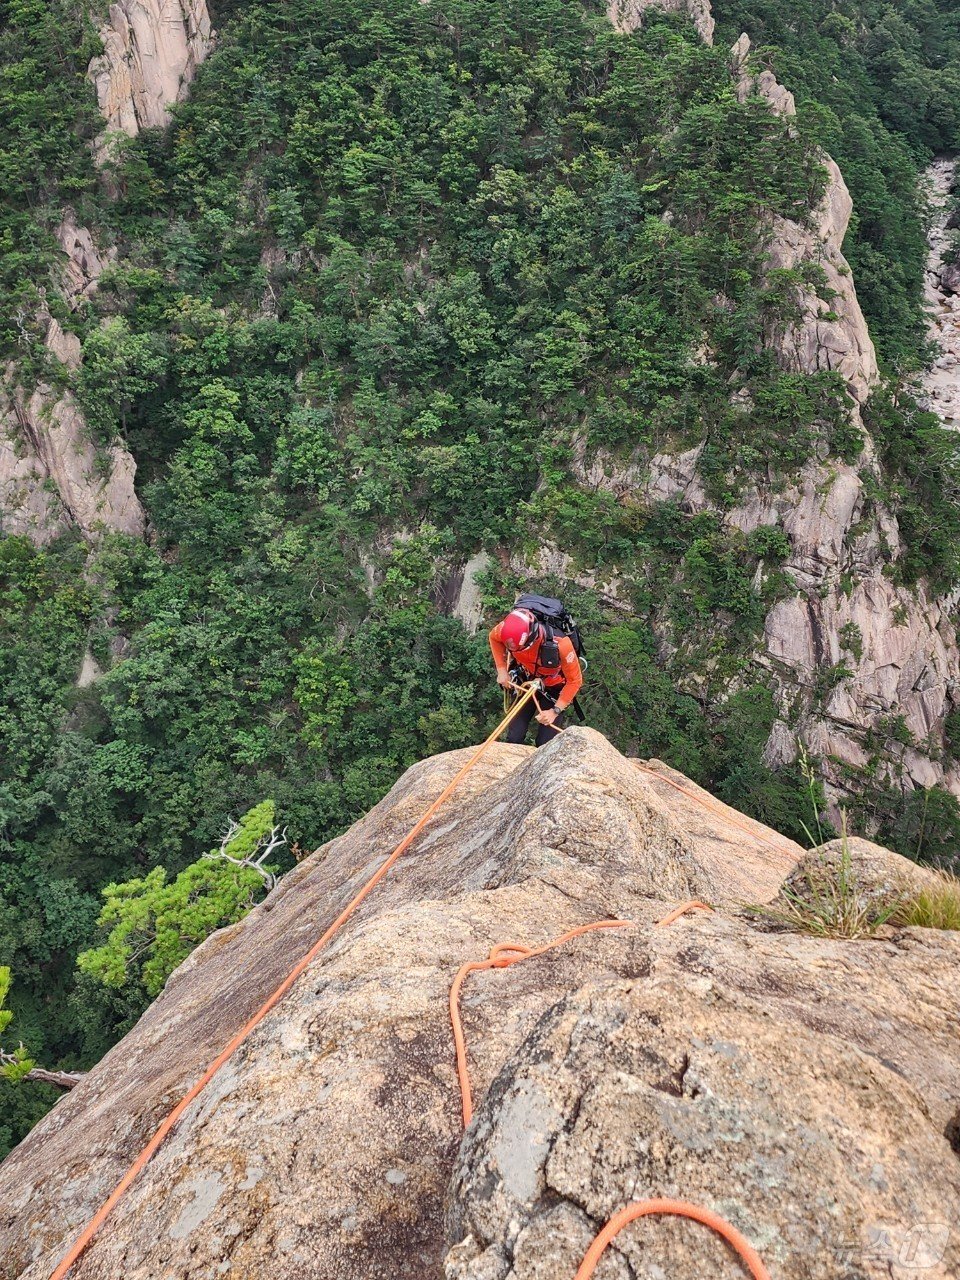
(517, 729)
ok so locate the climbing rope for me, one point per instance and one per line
(502, 956)
(505, 954)
(693, 905)
(93, 1226)
(679, 1209)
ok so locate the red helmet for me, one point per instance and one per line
(518, 629)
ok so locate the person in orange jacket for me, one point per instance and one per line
(519, 639)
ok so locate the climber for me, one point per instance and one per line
(524, 649)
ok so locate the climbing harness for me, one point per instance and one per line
(93, 1226)
(502, 956)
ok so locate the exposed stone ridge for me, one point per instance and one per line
(817, 340)
(941, 386)
(894, 650)
(725, 1076)
(152, 49)
(51, 475)
(330, 1145)
(627, 15)
(899, 646)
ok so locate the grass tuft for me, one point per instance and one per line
(934, 908)
(830, 902)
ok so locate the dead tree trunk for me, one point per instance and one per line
(62, 1079)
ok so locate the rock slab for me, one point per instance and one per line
(151, 51)
(708, 1057)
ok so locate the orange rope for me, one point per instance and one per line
(505, 954)
(679, 1209)
(682, 911)
(91, 1229)
(502, 956)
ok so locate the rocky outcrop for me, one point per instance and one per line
(151, 51)
(52, 476)
(941, 386)
(802, 1087)
(895, 650)
(830, 331)
(848, 653)
(724, 1056)
(627, 15)
(468, 603)
(878, 875)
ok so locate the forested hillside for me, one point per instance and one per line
(390, 275)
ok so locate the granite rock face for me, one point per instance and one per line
(893, 650)
(52, 477)
(738, 1073)
(152, 49)
(831, 331)
(941, 386)
(712, 1058)
(627, 15)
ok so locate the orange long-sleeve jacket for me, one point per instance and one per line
(567, 671)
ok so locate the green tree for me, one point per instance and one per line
(152, 923)
(15, 1064)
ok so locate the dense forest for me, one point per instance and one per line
(388, 269)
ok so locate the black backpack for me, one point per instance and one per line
(555, 619)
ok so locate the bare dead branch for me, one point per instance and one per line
(271, 843)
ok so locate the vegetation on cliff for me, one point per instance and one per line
(385, 274)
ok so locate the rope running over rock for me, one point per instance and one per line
(502, 956)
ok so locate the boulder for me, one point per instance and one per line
(878, 874)
(950, 278)
(769, 1085)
